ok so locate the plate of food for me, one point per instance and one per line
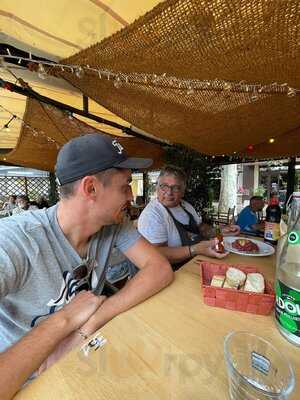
(247, 247)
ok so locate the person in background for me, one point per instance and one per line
(248, 218)
(10, 204)
(173, 225)
(42, 202)
(23, 204)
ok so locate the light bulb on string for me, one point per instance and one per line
(259, 90)
(227, 86)
(155, 79)
(190, 90)
(254, 97)
(117, 82)
(6, 128)
(41, 71)
(291, 92)
(79, 72)
(271, 140)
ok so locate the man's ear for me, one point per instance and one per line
(90, 187)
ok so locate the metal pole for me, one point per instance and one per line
(291, 175)
(26, 186)
(53, 192)
(28, 92)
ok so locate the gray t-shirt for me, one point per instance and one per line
(36, 264)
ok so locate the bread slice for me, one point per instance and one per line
(217, 280)
(255, 283)
(235, 277)
(227, 285)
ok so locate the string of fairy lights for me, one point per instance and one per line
(37, 132)
(189, 86)
(118, 79)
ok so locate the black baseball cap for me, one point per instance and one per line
(92, 153)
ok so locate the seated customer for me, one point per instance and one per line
(173, 224)
(248, 219)
(10, 204)
(23, 204)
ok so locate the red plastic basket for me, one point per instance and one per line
(255, 303)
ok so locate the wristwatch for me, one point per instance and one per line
(193, 251)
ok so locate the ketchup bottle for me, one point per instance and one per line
(220, 240)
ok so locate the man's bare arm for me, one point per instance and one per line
(155, 274)
(21, 360)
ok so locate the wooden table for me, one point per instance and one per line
(169, 347)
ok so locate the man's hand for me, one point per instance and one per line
(79, 310)
(207, 248)
(76, 313)
(231, 230)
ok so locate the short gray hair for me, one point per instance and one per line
(172, 170)
(68, 190)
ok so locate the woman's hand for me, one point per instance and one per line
(208, 248)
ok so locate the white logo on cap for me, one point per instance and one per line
(118, 145)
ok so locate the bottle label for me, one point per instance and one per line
(293, 248)
(287, 308)
(272, 230)
(294, 238)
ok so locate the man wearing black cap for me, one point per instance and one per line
(48, 256)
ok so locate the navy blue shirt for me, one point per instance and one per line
(246, 218)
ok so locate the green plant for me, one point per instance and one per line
(203, 176)
(259, 191)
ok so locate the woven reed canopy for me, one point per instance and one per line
(54, 127)
(220, 77)
(55, 31)
(241, 41)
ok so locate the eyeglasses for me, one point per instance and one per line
(82, 274)
(174, 188)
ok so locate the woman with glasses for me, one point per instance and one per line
(173, 225)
